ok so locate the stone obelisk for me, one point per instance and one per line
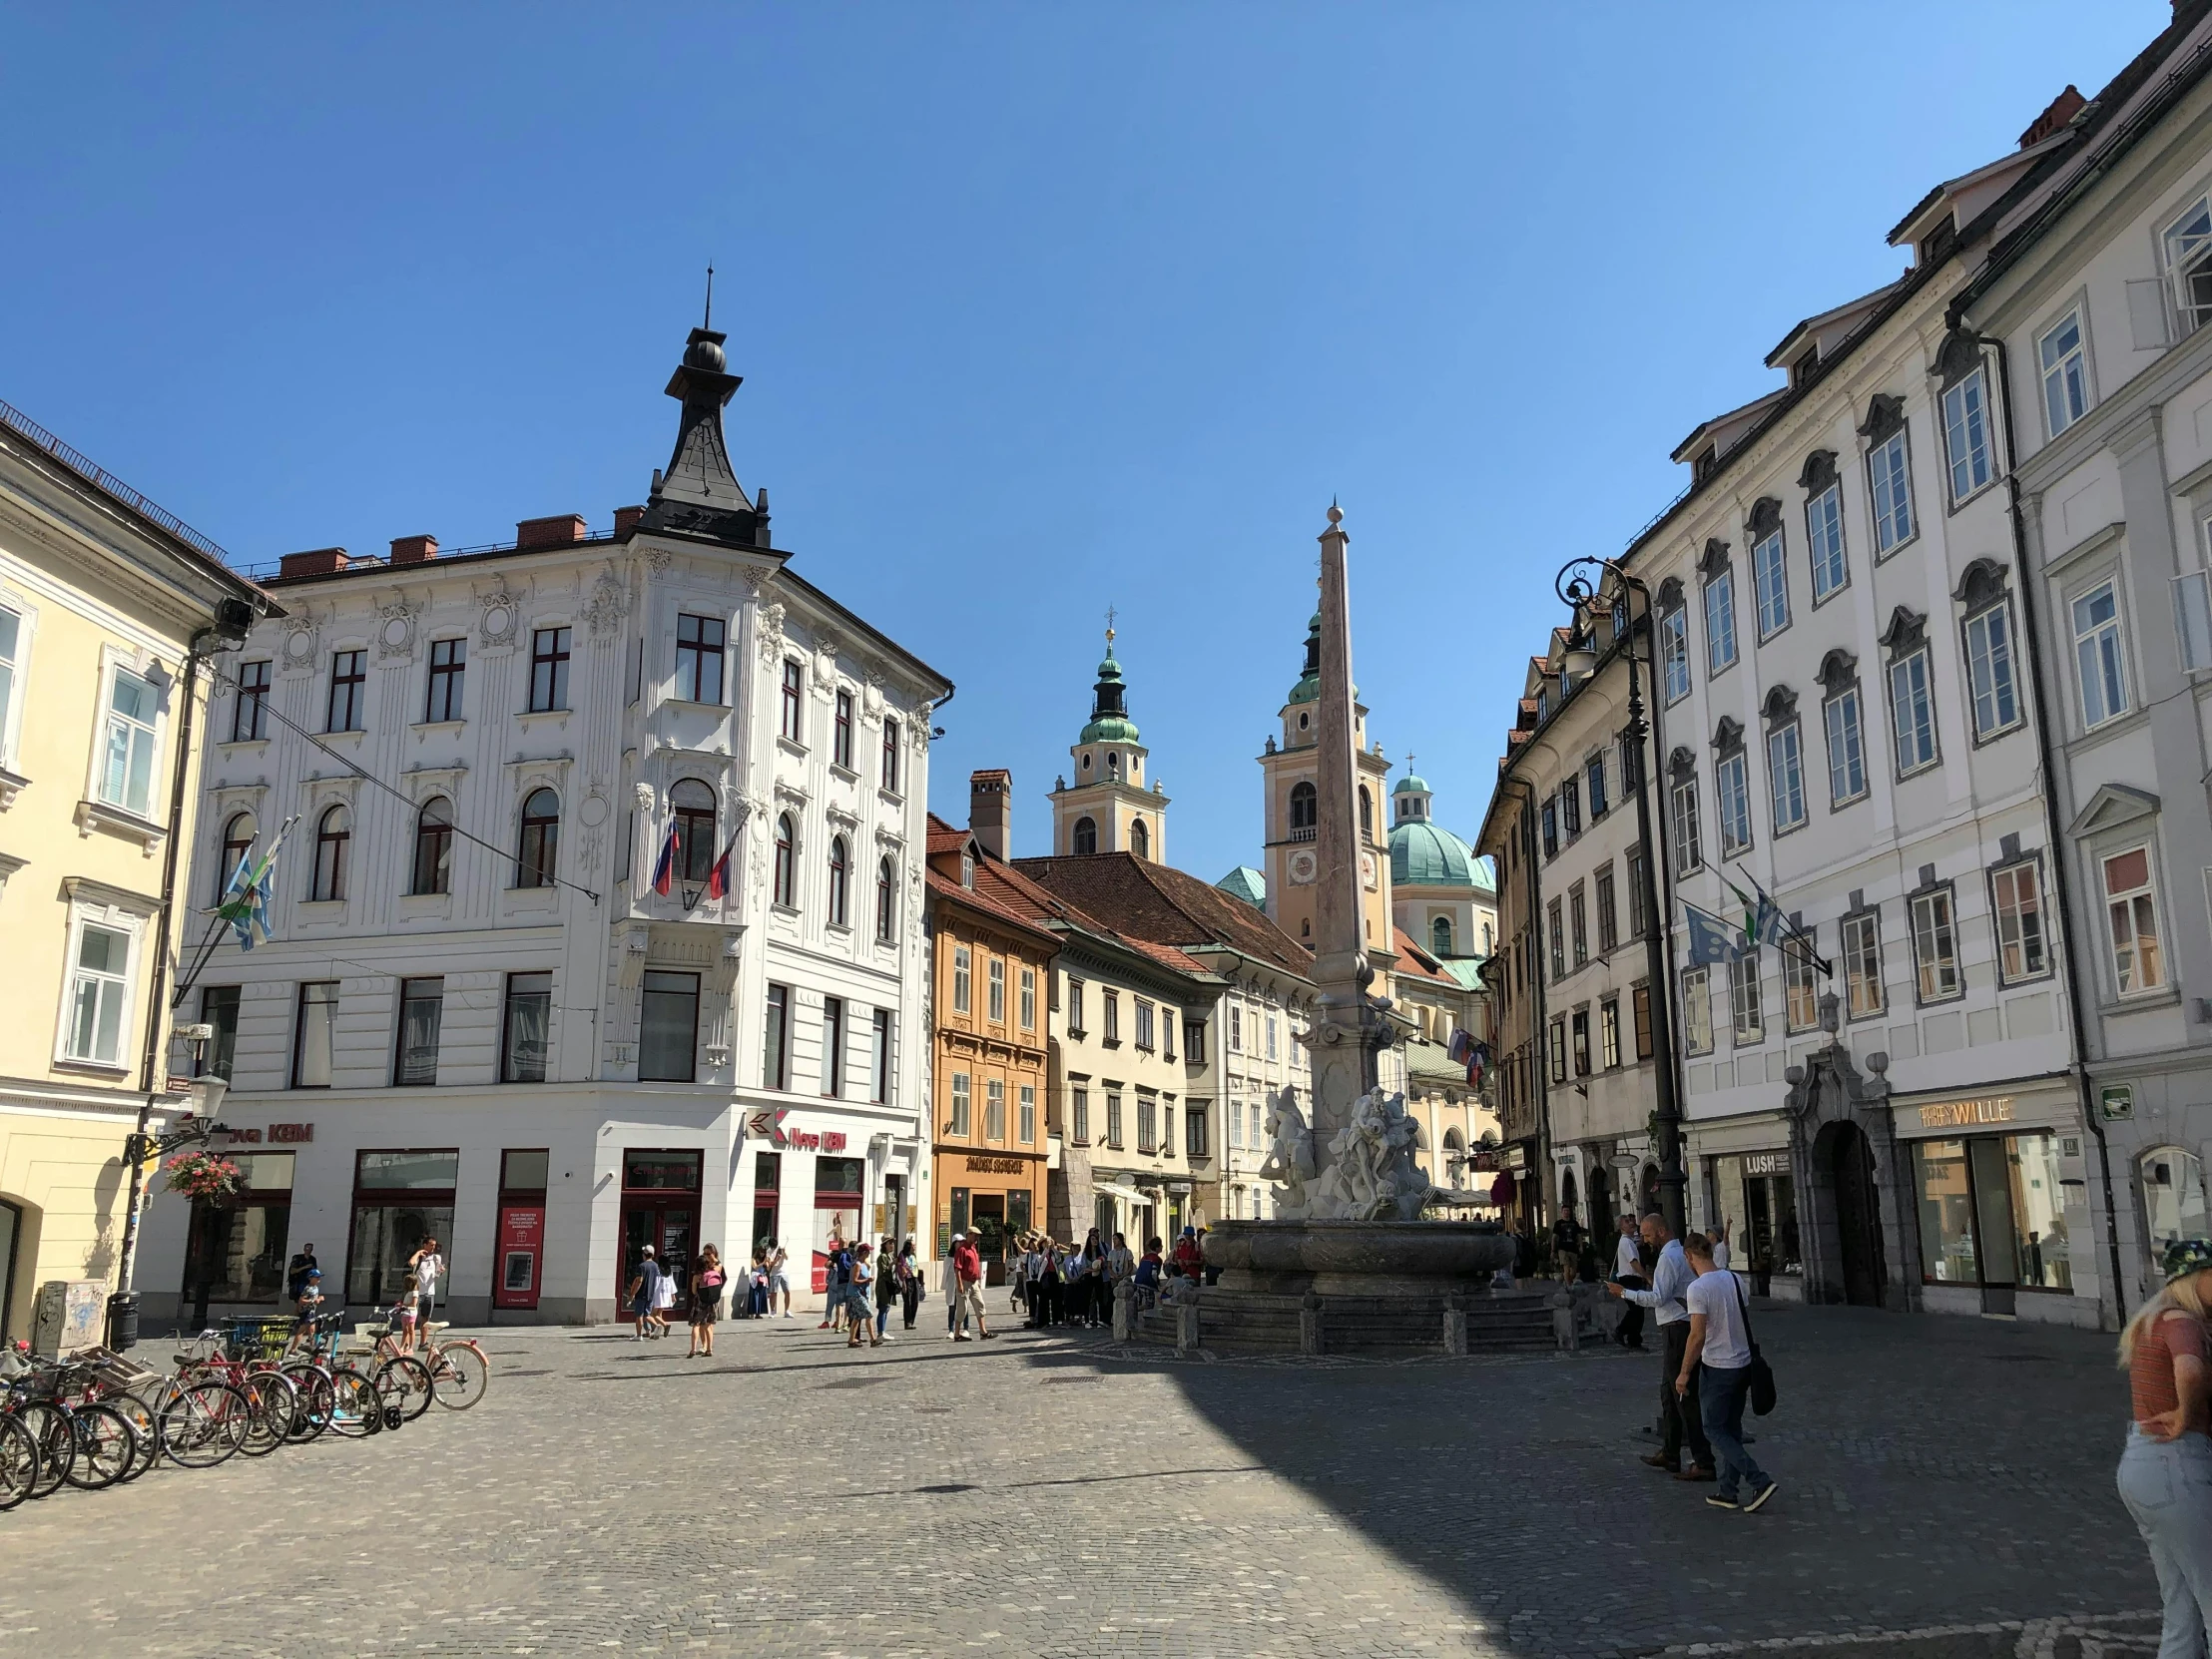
(1346, 1026)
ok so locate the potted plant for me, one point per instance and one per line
(206, 1176)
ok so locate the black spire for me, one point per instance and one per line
(700, 495)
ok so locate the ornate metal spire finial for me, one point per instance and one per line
(710, 318)
(1111, 613)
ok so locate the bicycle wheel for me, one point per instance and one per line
(18, 1462)
(461, 1375)
(203, 1422)
(404, 1381)
(355, 1410)
(272, 1403)
(319, 1398)
(141, 1418)
(57, 1443)
(107, 1446)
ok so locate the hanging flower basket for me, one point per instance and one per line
(206, 1176)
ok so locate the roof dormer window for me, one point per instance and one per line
(1702, 464)
(1802, 369)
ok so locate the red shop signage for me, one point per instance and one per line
(771, 1126)
(277, 1134)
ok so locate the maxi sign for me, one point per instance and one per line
(769, 1127)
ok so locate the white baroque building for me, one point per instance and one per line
(478, 1018)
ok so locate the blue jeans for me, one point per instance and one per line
(1721, 1396)
(2168, 1487)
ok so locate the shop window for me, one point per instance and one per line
(2173, 1198)
(1993, 1212)
(1757, 1195)
(401, 1198)
(237, 1249)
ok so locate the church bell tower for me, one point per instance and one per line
(1111, 807)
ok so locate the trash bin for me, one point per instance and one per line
(122, 1320)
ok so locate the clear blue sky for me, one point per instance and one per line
(1040, 307)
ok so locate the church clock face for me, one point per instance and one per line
(1367, 871)
(1302, 866)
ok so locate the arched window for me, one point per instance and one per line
(1306, 927)
(1439, 935)
(886, 902)
(693, 804)
(1455, 1141)
(334, 834)
(541, 839)
(840, 882)
(238, 842)
(1140, 839)
(1367, 812)
(2173, 1198)
(787, 862)
(433, 847)
(1086, 836)
(1304, 806)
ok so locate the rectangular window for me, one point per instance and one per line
(1697, 1010)
(448, 667)
(1608, 913)
(11, 667)
(1786, 776)
(1912, 714)
(1113, 1119)
(1733, 791)
(1593, 772)
(1148, 1111)
(2192, 605)
(1801, 989)
(1168, 1018)
(1028, 1103)
(1144, 1024)
(527, 1028)
(1578, 911)
(1551, 826)
(775, 1049)
(1967, 435)
(249, 715)
(1636, 916)
(1111, 1001)
(1770, 580)
(219, 1007)
(832, 1046)
(421, 1011)
(1862, 964)
(1079, 1109)
(1194, 1042)
(964, 971)
(1609, 1033)
(1559, 1050)
(1570, 807)
(349, 691)
(1996, 696)
(1236, 1124)
(1640, 996)
(2131, 908)
(1824, 537)
(794, 695)
(312, 1032)
(1749, 1017)
(1028, 999)
(1719, 622)
(1581, 1027)
(994, 1109)
(962, 1105)
(1195, 1144)
(2063, 360)
(1890, 477)
(1075, 1006)
(99, 996)
(889, 779)
(548, 669)
(668, 1030)
(2016, 894)
(1674, 654)
(880, 1066)
(1558, 940)
(1688, 854)
(1846, 748)
(840, 742)
(2098, 657)
(998, 991)
(700, 641)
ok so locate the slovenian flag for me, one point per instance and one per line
(664, 870)
(718, 878)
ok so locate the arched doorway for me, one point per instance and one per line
(1851, 1169)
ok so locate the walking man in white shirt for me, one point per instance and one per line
(1678, 1411)
(1628, 1273)
(1717, 1363)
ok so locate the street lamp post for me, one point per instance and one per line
(1576, 590)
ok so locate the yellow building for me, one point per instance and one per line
(103, 597)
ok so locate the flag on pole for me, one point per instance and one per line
(1764, 922)
(1710, 938)
(718, 878)
(245, 900)
(664, 869)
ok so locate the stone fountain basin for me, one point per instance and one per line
(1356, 1258)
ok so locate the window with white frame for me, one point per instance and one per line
(1912, 713)
(1748, 1019)
(1697, 1010)
(1732, 789)
(2100, 658)
(1862, 964)
(1674, 653)
(1935, 946)
(1824, 539)
(2016, 895)
(99, 996)
(1967, 434)
(1889, 482)
(1770, 578)
(1689, 855)
(1801, 989)
(1786, 776)
(127, 749)
(1720, 621)
(1846, 747)
(1989, 670)
(2188, 248)
(2062, 359)
(2131, 908)
(964, 977)
(962, 1104)
(1594, 775)
(11, 658)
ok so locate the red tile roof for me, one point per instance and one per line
(1142, 901)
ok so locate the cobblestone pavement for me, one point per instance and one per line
(1947, 1489)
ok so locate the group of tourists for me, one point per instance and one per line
(866, 1283)
(1056, 1284)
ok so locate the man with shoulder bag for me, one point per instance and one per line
(1729, 1373)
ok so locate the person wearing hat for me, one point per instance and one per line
(645, 1286)
(949, 1277)
(2165, 1474)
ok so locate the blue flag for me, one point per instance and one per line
(1711, 939)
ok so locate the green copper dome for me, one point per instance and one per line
(1411, 784)
(1110, 722)
(1425, 854)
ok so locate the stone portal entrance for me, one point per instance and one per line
(1856, 1218)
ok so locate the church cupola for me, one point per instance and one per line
(1112, 807)
(1411, 797)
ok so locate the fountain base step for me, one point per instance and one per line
(1239, 1321)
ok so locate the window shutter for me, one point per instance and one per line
(2147, 314)
(2193, 618)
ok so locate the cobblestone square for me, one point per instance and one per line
(1044, 1495)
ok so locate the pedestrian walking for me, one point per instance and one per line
(664, 1298)
(948, 1281)
(779, 1278)
(887, 1289)
(967, 1269)
(297, 1271)
(1680, 1421)
(2165, 1474)
(909, 1285)
(1718, 1358)
(859, 1317)
(645, 1286)
(428, 1267)
(1566, 1245)
(705, 1302)
(840, 1277)
(1628, 1273)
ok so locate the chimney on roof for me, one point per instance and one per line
(322, 561)
(626, 520)
(2056, 114)
(413, 550)
(991, 809)
(561, 530)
